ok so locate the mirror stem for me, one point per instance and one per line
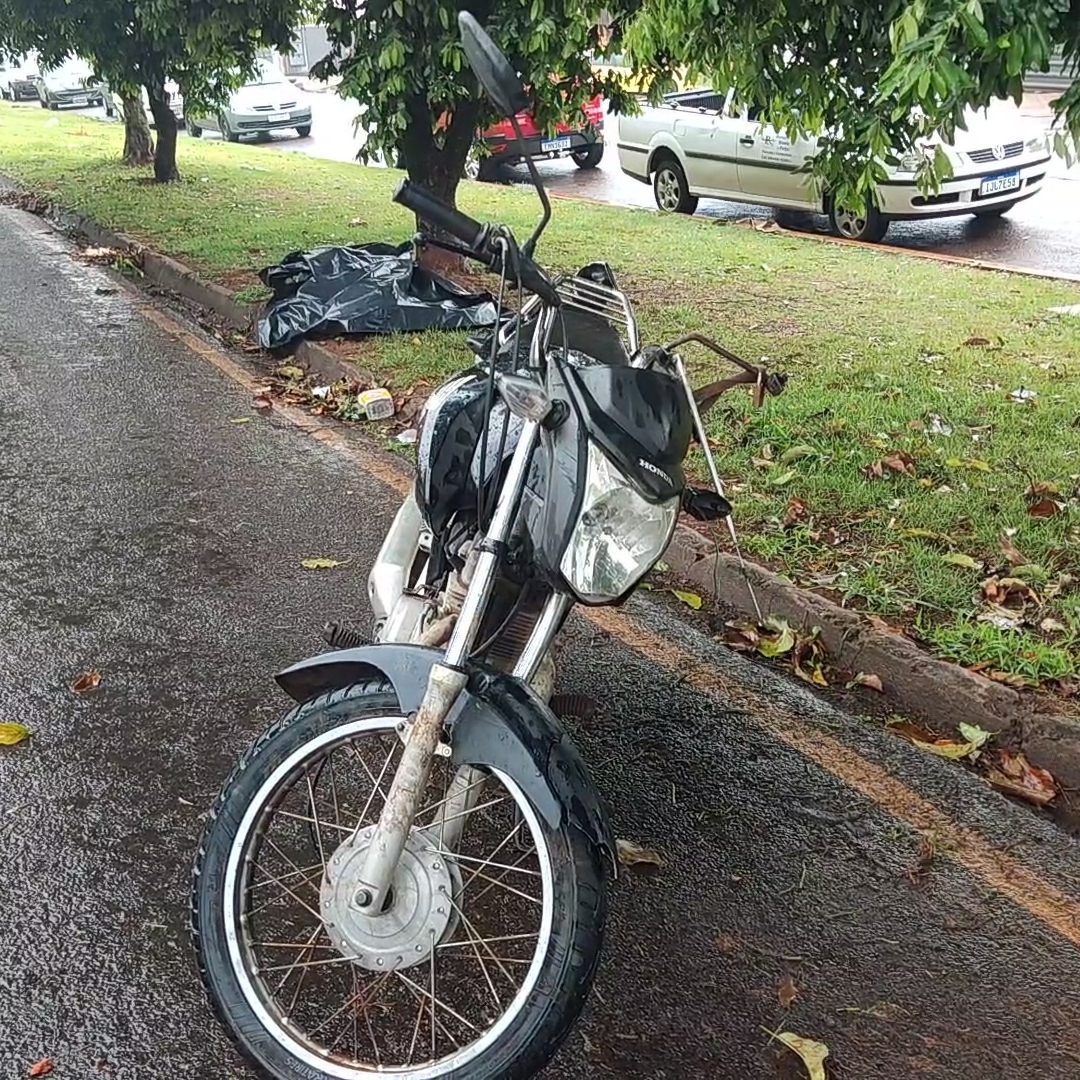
(530, 245)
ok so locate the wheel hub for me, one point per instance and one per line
(420, 906)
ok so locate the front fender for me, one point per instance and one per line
(498, 722)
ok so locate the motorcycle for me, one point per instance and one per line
(407, 874)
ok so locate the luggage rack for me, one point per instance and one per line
(596, 299)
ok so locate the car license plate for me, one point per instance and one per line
(80, 101)
(548, 145)
(993, 185)
(277, 116)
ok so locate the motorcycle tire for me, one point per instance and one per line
(575, 904)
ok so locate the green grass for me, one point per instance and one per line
(874, 342)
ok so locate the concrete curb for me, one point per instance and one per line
(180, 279)
(912, 680)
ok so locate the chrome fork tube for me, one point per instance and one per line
(445, 682)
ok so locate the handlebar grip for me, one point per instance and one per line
(425, 205)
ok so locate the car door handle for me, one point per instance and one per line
(747, 140)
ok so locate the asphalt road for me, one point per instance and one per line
(143, 534)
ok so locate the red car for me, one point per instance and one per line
(584, 143)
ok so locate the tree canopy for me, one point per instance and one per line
(879, 77)
(206, 46)
(402, 59)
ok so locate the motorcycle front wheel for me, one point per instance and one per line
(482, 958)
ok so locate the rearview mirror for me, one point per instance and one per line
(492, 69)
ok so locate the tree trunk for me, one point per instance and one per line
(437, 162)
(138, 145)
(165, 155)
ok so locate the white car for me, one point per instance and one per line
(701, 144)
(269, 102)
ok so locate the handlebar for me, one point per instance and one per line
(425, 205)
(476, 237)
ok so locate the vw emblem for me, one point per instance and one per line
(999, 152)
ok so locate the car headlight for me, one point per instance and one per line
(1040, 144)
(618, 536)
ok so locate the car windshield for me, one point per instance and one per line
(265, 75)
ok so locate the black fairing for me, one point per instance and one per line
(642, 419)
(447, 441)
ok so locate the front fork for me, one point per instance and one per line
(445, 683)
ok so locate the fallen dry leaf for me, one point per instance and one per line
(974, 739)
(13, 734)
(788, 992)
(1009, 550)
(897, 461)
(631, 854)
(88, 680)
(1008, 678)
(796, 512)
(808, 659)
(1052, 626)
(1006, 592)
(746, 636)
(690, 599)
(975, 342)
(813, 1054)
(1044, 508)
(1015, 775)
(319, 564)
(261, 401)
(41, 1068)
(1037, 489)
(867, 679)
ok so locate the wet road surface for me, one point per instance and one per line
(144, 534)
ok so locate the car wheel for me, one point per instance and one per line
(304, 131)
(995, 211)
(670, 189)
(55, 106)
(227, 132)
(194, 130)
(868, 226)
(590, 157)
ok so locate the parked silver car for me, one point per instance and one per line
(19, 79)
(72, 85)
(268, 103)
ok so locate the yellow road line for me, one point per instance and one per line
(999, 870)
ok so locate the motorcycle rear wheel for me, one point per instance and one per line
(392, 1020)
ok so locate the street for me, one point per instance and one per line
(929, 926)
(1041, 233)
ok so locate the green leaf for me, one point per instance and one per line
(319, 564)
(783, 478)
(975, 734)
(13, 734)
(956, 558)
(690, 599)
(794, 453)
(782, 642)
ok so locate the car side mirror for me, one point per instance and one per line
(493, 71)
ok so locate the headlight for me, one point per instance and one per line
(1038, 145)
(618, 536)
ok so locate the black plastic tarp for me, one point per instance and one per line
(368, 289)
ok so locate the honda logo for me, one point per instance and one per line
(999, 152)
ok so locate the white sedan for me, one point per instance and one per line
(700, 144)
